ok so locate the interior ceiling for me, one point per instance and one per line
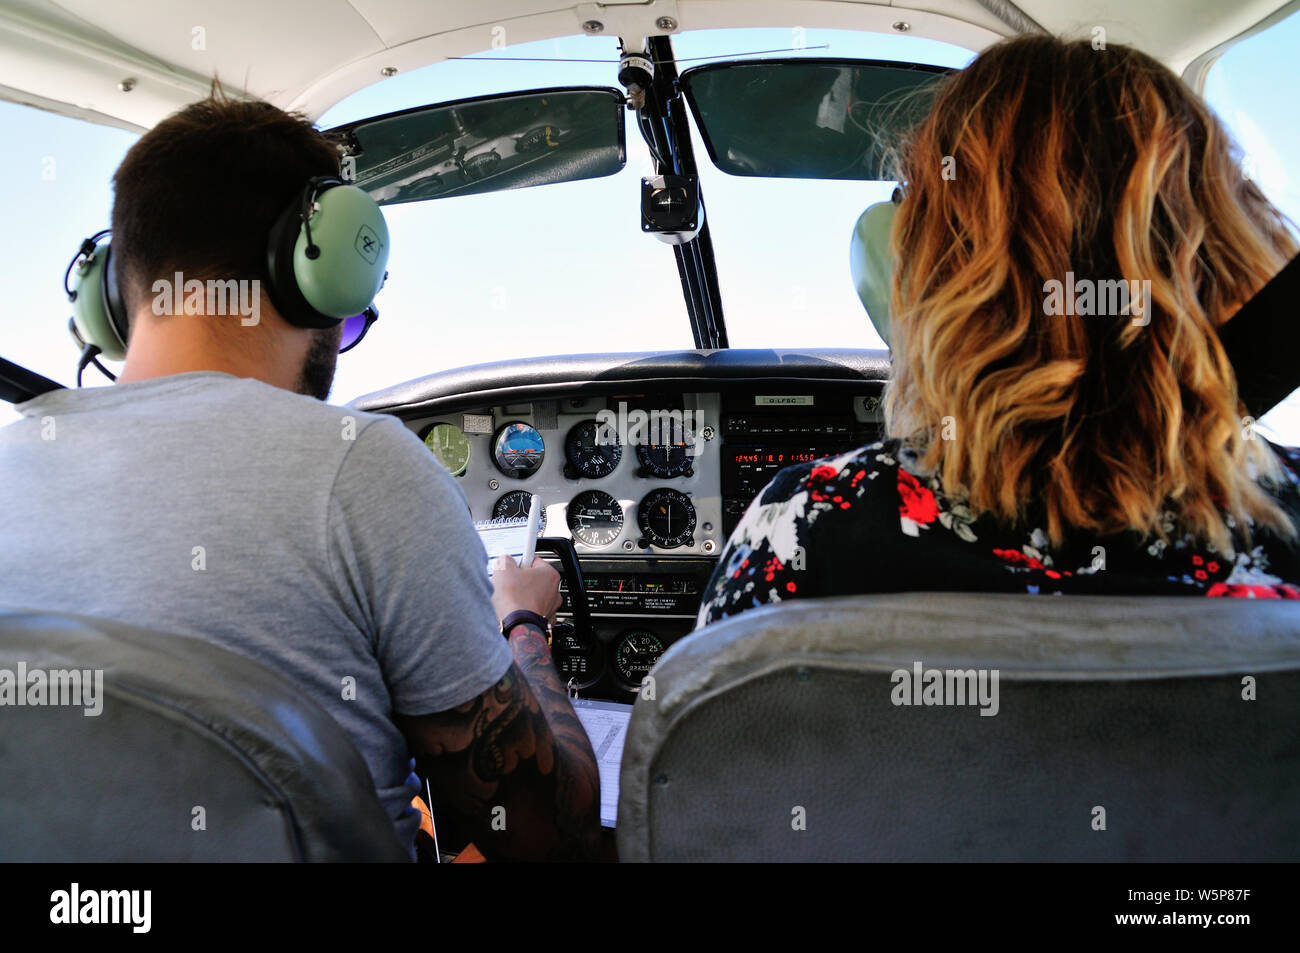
(74, 56)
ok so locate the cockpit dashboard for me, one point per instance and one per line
(645, 462)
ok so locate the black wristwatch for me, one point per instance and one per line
(524, 615)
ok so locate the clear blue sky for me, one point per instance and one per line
(565, 269)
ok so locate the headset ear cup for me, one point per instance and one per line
(119, 319)
(871, 264)
(282, 285)
(337, 274)
(92, 305)
(341, 269)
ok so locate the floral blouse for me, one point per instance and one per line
(871, 521)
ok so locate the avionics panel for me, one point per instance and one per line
(652, 587)
(764, 433)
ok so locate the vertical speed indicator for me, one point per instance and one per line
(595, 518)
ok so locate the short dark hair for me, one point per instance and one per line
(199, 192)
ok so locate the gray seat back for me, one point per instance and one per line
(196, 754)
(1125, 730)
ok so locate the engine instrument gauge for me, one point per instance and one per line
(518, 450)
(450, 446)
(667, 518)
(635, 653)
(591, 451)
(595, 518)
(669, 459)
(514, 506)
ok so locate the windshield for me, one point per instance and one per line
(782, 245)
(565, 268)
(557, 269)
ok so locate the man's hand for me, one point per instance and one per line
(536, 588)
(515, 763)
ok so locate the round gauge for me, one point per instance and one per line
(595, 518)
(667, 518)
(576, 660)
(450, 446)
(514, 506)
(590, 451)
(635, 654)
(518, 450)
(667, 460)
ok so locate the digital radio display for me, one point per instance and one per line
(774, 458)
(747, 469)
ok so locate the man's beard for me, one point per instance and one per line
(317, 375)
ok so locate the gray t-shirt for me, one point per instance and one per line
(326, 543)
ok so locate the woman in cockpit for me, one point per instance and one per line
(1061, 417)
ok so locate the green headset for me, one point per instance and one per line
(326, 257)
(871, 263)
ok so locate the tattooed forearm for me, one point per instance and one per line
(515, 763)
(578, 777)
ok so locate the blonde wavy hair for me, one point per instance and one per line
(1064, 158)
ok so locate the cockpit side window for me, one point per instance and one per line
(55, 188)
(1253, 87)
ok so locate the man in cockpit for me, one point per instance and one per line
(212, 493)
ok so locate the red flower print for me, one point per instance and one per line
(1017, 558)
(1235, 591)
(822, 472)
(917, 503)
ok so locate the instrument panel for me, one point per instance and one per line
(647, 487)
(637, 475)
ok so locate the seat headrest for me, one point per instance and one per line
(182, 751)
(1134, 728)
